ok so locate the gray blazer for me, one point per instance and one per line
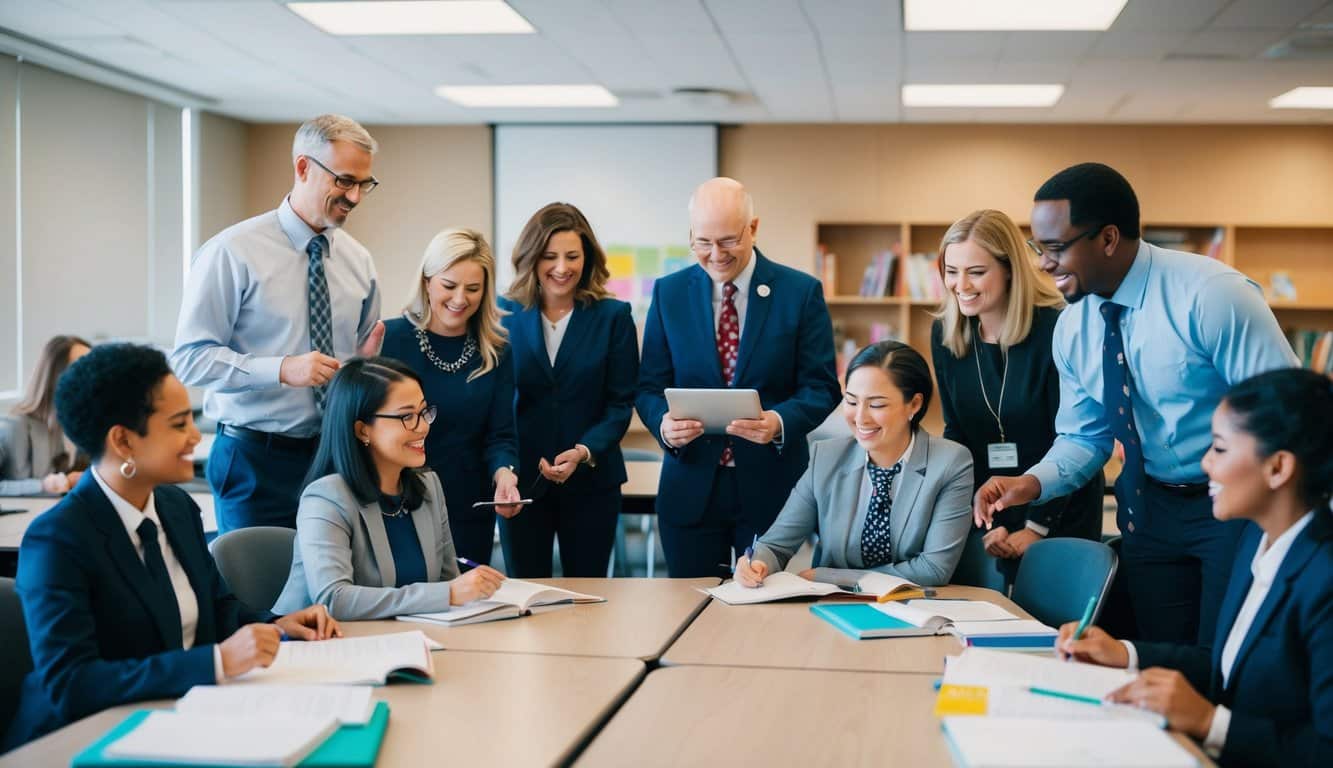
(342, 558)
(28, 449)
(929, 523)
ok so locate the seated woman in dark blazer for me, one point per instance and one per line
(576, 360)
(121, 599)
(892, 498)
(1263, 694)
(35, 456)
(372, 531)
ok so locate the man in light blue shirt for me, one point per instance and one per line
(1150, 342)
(271, 306)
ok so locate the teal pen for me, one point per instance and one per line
(1087, 618)
(1063, 695)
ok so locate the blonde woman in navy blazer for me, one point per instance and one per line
(576, 361)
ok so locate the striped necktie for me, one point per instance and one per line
(321, 313)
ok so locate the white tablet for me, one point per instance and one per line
(716, 408)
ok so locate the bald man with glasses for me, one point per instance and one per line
(271, 306)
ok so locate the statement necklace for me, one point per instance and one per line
(469, 349)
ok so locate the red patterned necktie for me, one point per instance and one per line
(728, 341)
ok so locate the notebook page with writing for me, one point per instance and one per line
(349, 704)
(176, 739)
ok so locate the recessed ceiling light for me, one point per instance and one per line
(414, 17)
(528, 95)
(1009, 15)
(1305, 97)
(981, 95)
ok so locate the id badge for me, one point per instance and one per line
(1002, 455)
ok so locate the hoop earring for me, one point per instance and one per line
(128, 469)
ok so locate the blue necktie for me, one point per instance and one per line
(1116, 387)
(875, 546)
(321, 314)
(157, 572)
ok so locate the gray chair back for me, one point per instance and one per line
(255, 563)
(1057, 576)
(15, 657)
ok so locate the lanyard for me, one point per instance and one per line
(1004, 378)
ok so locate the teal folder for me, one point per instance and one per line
(351, 746)
(861, 622)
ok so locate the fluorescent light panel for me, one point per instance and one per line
(528, 95)
(1305, 97)
(414, 17)
(981, 95)
(1009, 15)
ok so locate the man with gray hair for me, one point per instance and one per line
(271, 305)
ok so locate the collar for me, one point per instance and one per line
(742, 280)
(1268, 559)
(299, 233)
(907, 454)
(1135, 285)
(130, 517)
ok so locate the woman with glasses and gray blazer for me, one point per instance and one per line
(892, 498)
(372, 529)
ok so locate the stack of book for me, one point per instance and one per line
(921, 279)
(878, 279)
(1313, 347)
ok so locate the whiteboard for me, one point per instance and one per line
(633, 182)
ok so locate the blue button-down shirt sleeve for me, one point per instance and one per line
(1083, 436)
(203, 355)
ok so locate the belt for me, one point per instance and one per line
(269, 439)
(1181, 489)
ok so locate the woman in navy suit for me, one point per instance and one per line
(121, 599)
(576, 360)
(1263, 694)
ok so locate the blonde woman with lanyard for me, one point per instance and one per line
(991, 344)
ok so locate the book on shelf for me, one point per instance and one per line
(826, 269)
(1314, 348)
(877, 280)
(514, 598)
(922, 281)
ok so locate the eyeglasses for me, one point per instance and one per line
(411, 421)
(1058, 247)
(345, 183)
(705, 247)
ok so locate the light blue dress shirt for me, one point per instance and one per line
(245, 308)
(1193, 328)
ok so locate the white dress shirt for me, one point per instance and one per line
(1263, 569)
(186, 601)
(554, 333)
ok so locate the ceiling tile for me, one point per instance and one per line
(1265, 13)
(1167, 15)
(1154, 45)
(1041, 46)
(1236, 44)
(855, 17)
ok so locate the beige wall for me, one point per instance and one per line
(431, 178)
(222, 183)
(803, 174)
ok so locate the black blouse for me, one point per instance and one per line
(1031, 400)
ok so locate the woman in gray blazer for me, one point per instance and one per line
(35, 457)
(892, 498)
(372, 530)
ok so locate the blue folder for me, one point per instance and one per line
(351, 746)
(860, 621)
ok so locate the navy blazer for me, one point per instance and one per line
(1280, 691)
(98, 639)
(786, 353)
(586, 397)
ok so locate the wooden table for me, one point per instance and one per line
(483, 709)
(642, 482)
(768, 717)
(639, 619)
(12, 527)
(787, 635)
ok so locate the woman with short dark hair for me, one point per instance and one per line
(121, 598)
(1262, 695)
(372, 530)
(891, 498)
(35, 455)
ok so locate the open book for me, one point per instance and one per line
(514, 598)
(371, 660)
(784, 585)
(962, 618)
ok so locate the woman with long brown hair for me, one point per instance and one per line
(576, 358)
(35, 456)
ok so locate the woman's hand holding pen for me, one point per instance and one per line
(750, 573)
(1095, 646)
(477, 584)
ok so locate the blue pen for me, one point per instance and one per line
(469, 563)
(282, 636)
(749, 551)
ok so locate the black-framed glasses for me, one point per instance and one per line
(1040, 248)
(345, 183)
(703, 247)
(411, 421)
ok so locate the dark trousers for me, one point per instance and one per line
(704, 548)
(474, 537)
(256, 484)
(585, 521)
(1177, 559)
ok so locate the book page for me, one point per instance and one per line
(1010, 627)
(962, 610)
(170, 737)
(911, 614)
(777, 586)
(349, 704)
(879, 584)
(356, 660)
(980, 666)
(1001, 742)
(526, 594)
(457, 613)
